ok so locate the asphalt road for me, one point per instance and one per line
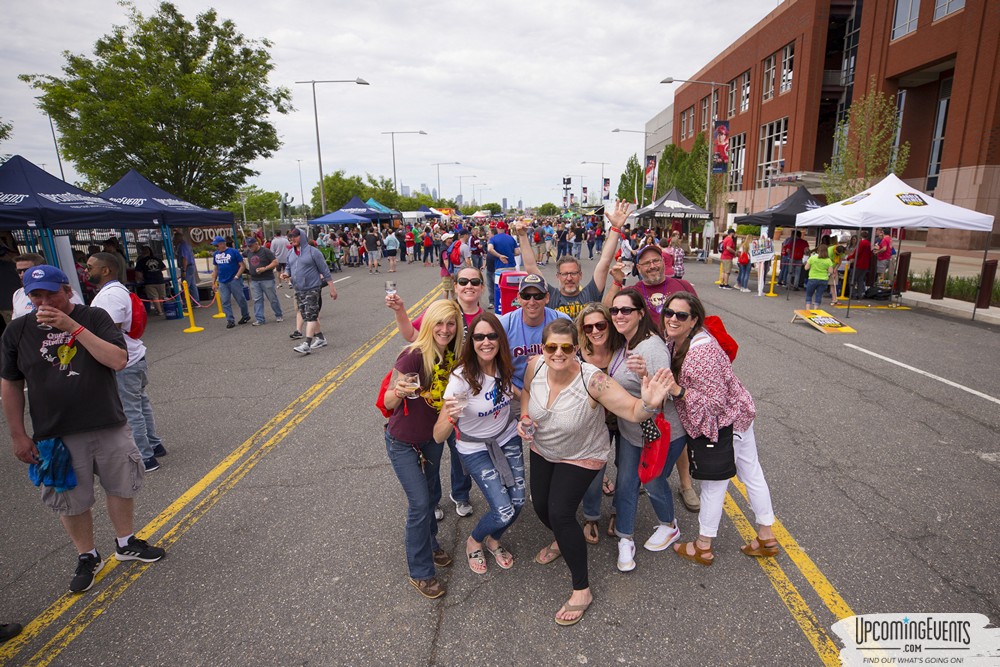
(283, 519)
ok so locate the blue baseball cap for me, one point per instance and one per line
(217, 240)
(44, 276)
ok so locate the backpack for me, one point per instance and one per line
(714, 326)
(138, 324)
(455, 255)
(537, 237)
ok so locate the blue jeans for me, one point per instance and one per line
(658, 490)
(783, 271)
(505, 501)
(191, 276)
(576, 248)
(477, 261)
(592, 498)
(421, 497)
(743, 277)
(233, 289)
(258, 290)
(461, 483)
(816, 287)
(132, 382)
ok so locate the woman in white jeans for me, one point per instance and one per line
(710, 398)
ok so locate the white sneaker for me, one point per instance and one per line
(318, 342)
(462, 507)
(438, 513)
(626, 555)
(302, 348)
(662, 538)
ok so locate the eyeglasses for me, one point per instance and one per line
(537, 296)
(627, 310)
(600, 326)
(567, 348)
(20, 271)
(476, 282)
(479, 337)
(569, 273)
(652, 262)
(679, 314)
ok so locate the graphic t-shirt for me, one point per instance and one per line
(656, 296)
(228, 262)
(525, 341)
(262, 257)
(58, 376)
(151, 269)
(572, 305)
(486, 416)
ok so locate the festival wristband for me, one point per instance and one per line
(616, 229)
(619, 285)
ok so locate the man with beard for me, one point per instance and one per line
(524, 326)
(654, 285)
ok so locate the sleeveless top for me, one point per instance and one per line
(570, 430)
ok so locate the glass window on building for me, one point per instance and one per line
(768, 82)
(691, 121)
(684, 124)
(732, 99)
(944, 7)
(771, 152)
(937, 141)
(737, 159)
(787, 65)
(905, 19)
(715, 103)
(704, 113)
(745, 91)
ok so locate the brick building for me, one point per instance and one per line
(784, 84)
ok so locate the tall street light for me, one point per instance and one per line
(302, 192)
(708, 131)
(482, 189)
(644, 149)
(603, 165)
(319, 154)
(393, 134)
(460, 183)
(580, 176)
(438, 165)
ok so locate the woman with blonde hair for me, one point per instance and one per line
(416, 394)
(743, 260)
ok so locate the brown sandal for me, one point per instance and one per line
(591, 532)
(763, 549)
(441, 558)
(582, 608)
(611, 526)
(698, 556)
(477, 561)
(429, 588)
(547, 555)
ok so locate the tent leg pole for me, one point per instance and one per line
(986, 252)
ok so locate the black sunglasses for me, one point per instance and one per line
(600, 326)
(480, 337)
(679, 314)
(627, 310)
(537, 296)
(476, 282)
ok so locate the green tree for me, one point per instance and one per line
(260, 204)
(493, 207)
(865, 146)
(6, 129)
(548, 208)
(631, 182)
(185, 104)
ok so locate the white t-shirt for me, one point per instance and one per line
(485, 416)
(22, 304)
(115, 300)
(279, 246)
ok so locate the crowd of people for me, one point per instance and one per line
(576, 373)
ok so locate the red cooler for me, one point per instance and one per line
(509, 281)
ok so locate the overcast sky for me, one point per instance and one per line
(520, 92)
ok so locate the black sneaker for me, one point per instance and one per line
(87, 568)
(138, 550)
(295, 335)
(151, 464)
(230, 324)
(159, 450)
(244, 319)
(9, 631)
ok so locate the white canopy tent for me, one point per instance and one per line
(894, 204)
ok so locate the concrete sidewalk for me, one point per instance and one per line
(953, 307)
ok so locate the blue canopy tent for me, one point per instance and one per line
(394, 214)
(429, 212)
(358, 207)
(135, 190)
(339, 218)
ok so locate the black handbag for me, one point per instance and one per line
(712, 460)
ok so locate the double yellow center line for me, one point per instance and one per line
(233, 468)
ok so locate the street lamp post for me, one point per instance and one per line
(644, 150)
(482, 189)
(581, 185)
(460, 184)
(302, 192)
(603, 164)
(708, 131)
(393, 134)
(319, 154)
(438, 165)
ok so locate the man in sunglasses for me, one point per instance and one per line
(524, 326)
(655, 285)
(569, 298)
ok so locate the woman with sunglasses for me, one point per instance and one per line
(599, 340)
(642, 353)
(710, 399)
(570, 444)
(477, 409)
(409, 437)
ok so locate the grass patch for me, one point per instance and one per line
(958, 287)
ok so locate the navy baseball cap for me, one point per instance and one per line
(533, 280)
(217, 240)
(294, 231)
(44, 276)
(252, 240)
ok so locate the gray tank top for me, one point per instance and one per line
(570, 430)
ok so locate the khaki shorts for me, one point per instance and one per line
(727, 266)
(110, 454)
(447, 284)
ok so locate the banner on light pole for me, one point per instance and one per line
(607, 189)
(650, 181)
(720, 147)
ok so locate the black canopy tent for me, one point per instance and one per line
(783, 213)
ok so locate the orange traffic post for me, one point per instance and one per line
(187, 301)
(774, 276)
(218, 301)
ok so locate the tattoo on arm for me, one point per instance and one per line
(599, 382)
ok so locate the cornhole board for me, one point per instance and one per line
(823, 321)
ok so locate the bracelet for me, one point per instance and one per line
(648, 409)
(619, 285)
(615, 229)
(680, 395)
(78, 332)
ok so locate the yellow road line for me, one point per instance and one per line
(814, 631)
(96, 607)
(831, 598)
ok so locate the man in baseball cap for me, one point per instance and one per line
(524, 325)
(228, 282)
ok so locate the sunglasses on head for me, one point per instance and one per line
(480, 337)
(537, 296)
(679, 314)
(600, 326)
(567, 348)
(627, 310)
(476, 282)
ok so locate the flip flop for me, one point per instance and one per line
(609, 487)
(502, 556)
(582, 608)
(591, 533)
(477, 560)
(547, 555)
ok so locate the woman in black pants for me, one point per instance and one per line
(569, 444)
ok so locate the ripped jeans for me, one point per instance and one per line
(505, 502)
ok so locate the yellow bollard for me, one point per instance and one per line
(774, 276)
(719, 281)
(187, 301)
(218, 301)
(843, 290)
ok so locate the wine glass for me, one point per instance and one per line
(390, 287)
(412, 382)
